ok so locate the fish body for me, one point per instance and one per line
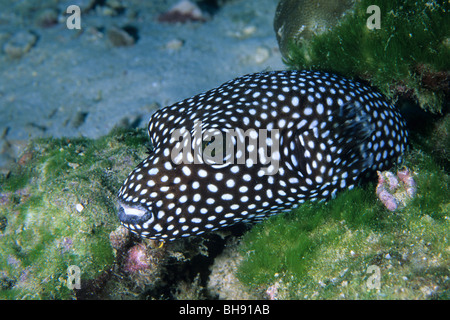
(256, 146)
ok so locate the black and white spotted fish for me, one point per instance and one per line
(255, 146)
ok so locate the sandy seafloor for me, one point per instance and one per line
(76, 83)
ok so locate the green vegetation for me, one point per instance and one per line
(324, 250)
(57, 208)
(409, 55)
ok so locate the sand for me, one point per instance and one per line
(70, 82)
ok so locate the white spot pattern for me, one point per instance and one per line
(332, 132)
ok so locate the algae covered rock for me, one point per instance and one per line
(352, 247)
(299, 21)
(57, 209)
(401, 47)
(60, 237)
(223, 282)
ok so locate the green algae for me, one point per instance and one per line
(321, 250)
(58, 208)
(329, 250)
(409, 55)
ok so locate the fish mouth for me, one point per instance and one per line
(134, 215)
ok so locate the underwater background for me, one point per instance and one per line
(74, 106)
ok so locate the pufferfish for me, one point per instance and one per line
(255, 146)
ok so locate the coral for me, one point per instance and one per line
(144, 264)
(408, 56)
(395, 191)
(406, 177)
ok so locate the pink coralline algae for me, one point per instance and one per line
(406, 177)
(137, 259)
(144, 264)
(395, 191)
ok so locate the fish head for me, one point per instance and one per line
(138, 198)
(164, 195)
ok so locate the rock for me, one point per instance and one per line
(243, 33)
(19, 44)
(182, 12)
(262, 54)
(174, 44)
(259, 56)
(223, 282)
(402, 59)
(46, 18)
(120, 37)
(119, 238)
(300, 20)
(65, 192)
(79, 119)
